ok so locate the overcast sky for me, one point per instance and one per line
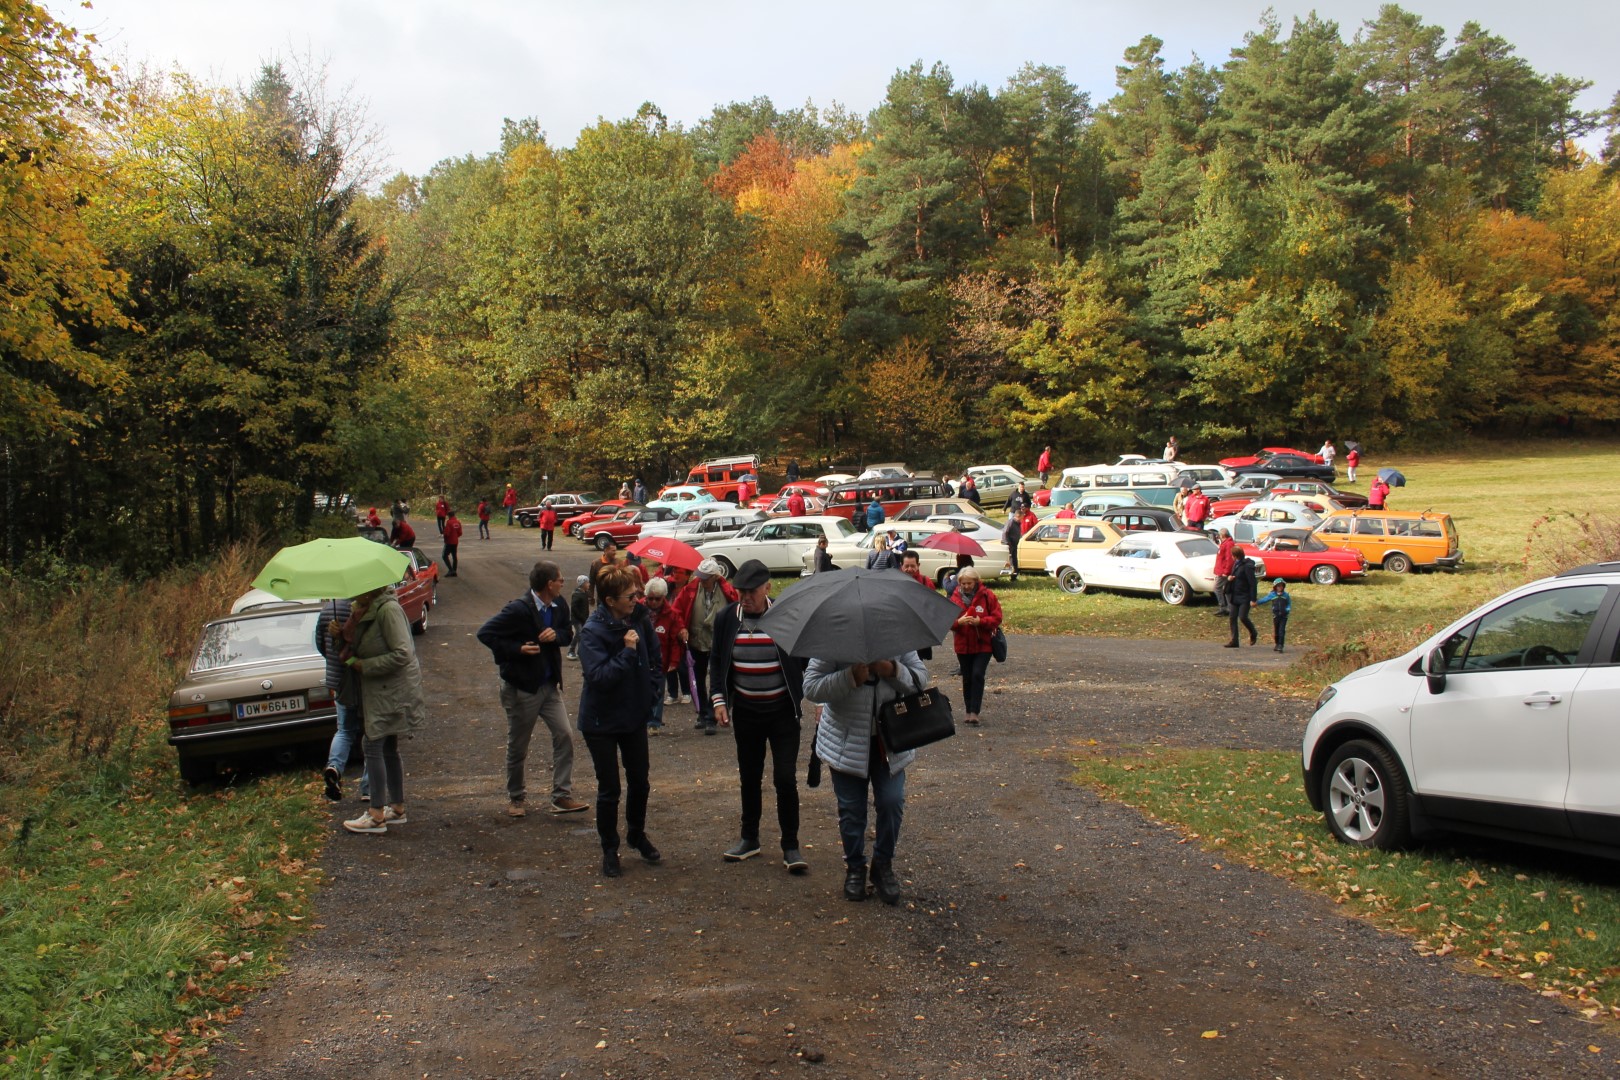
(437, 78)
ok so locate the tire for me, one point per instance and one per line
(419, 627)
(1325, 575)
(525, 522)
(601, 542)
(1070, 581)
(1365, 797)
(1175, 590)
(1396, 563)
(726, 565)
(196, 771)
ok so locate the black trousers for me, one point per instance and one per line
(1279, 629)
(779, 732)
(1238, 612)
(700, 685)
(546, 538)
(606, 753)
(451, 560)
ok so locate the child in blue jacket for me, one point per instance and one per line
(1280, 603)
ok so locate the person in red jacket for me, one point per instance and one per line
(795, 504)
(972, 631)
(509, 500)
(403, 536)
(483, 519)
(548, 528)
(703, 598)
(1044, 465)
(452, 540)
(441, 510)
(1196, 509)
(1225, 559)
(668, 626)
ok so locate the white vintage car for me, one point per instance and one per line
(853, 550)
(1259, 519)
(1175, 565)
(780, 543)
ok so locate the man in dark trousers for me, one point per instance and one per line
(1240, 593)
(756, 690)
(451, 528)
(527, 637)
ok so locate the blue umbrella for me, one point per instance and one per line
(1392, 477)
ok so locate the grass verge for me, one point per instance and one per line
(1547, 921)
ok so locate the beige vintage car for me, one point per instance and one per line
(1063, 534)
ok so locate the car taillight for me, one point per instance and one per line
(192, 715)
(319, 693)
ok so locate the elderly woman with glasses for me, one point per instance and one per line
(623, 676)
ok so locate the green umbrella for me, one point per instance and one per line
(327, 568)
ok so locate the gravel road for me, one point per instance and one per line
(1043, 931)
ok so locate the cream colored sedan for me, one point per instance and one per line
(852, 551)
(1064, 534)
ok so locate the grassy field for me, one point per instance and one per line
(1550, 923)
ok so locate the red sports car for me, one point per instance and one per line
(1297, 555)
(625, 526)
(1266, 452)
(609, 509)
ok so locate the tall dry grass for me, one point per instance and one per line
(86, 661)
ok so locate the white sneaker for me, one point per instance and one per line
(394, 817)
(685, 700)
(668, 700)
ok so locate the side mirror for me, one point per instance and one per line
(1434, 670)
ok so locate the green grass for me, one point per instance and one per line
(1512, 919)
(135, 914)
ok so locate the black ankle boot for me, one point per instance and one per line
(883, 880)
(645, 846)
(855, 883)
(610, 864)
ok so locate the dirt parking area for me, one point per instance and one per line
(1043, 931)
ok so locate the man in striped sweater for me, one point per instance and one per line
(756, 689)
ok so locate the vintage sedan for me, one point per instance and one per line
(418, 590)
(779, 543)
(1065, 534)
(974, 526)
(688, 515)
(680, 496)
(935, 563)
(625, 528)
(610, 509)
(255, 692)
(1253, 522)
(565, 504)
(1246, 462)
(1292, 463)
(1297, 555)
(1143, 519)
(721, 525)
(1347, 499)
(1177, 566)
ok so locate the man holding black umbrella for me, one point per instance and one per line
(756, 688)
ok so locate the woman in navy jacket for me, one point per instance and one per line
(623, 676)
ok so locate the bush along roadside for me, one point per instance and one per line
(1549, 922)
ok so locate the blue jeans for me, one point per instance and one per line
(349, 731)
(889, 796)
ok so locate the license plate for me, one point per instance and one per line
(274, 707)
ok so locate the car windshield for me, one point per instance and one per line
(1196, 545)
(261, 639)
(839, 528)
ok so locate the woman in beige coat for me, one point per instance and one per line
(378, 646)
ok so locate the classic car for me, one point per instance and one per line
(625, 526)
(255, 692)
(418, 590)
(1175, 565)
(688, 515)
(609, 509)
(679, 496)
(1263, 516)
(1346, 499)
(779, 543)
(996, 483)
(1245, 462)
(974, 526)
(923, 509)
(935, 563)
(1284, 463)
(565, 504)
(1142, 519)
(722, 525)
(1064, 534)
(1297, 555)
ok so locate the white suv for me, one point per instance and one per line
(1503, 724)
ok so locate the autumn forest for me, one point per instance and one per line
(219, 308)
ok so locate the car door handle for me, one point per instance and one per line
(1542, 698)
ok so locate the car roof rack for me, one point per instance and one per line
(1591, 568)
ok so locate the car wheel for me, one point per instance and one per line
(526, 522)
(1070, 581)
(1325, 575)
(726, 565)
(1175, 590)
(1364, 797)
(196, 771)
(419, 627)
(1396, 563)
(602, 541)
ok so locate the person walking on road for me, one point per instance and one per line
(451, 528)
(757, 688)
(440, 510)
(483, 519)
(548, 527)
(1240, 594)
(1281, 604)
(378, 645)
(622, 671)
(579, 609)
(1226, 555)
(972, 633)
(847, 741)
(527, 637)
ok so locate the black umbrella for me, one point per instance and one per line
(1392, 477)
(857, 615)
(1351, 444)
(1187, 480)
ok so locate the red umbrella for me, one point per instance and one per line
(667, 551)
(954, 541)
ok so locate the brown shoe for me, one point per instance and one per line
(567, 805)
(515, 809)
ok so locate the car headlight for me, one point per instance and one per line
(1324, 697)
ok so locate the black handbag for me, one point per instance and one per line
(915, 720)
(998, 646)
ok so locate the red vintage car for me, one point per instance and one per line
(1266, 452)
(1297, 555)
(609, 509)
(625, 527)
